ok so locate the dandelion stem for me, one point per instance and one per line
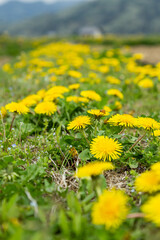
(96, 186)
(83, 132)
(96, 127)
(138, 140)
(11, 126)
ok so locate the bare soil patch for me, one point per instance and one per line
(151, 53)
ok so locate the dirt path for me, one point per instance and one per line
(151, 53)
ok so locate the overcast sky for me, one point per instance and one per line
(47, 1)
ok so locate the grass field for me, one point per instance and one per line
(79, 143)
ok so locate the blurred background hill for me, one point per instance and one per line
(15, 13)
(81, 17)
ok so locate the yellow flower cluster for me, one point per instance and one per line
(149, 181)
(59, 68)
(19, 108)
(147, 123)
(127, 120)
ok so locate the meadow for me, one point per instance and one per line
(79, 142)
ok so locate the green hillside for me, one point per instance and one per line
(111, 16)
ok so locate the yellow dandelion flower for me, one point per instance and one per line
(98, 113)
(92, 75)
(125, 120)
(115, 92)
(82, 80)
(148, 181)
(118, 105)
(77, 99)
(57, 89)
(19, 108)
(156, 133)
(47, 108)
(74, 74)
(37, 98)
(3, 111)
(32, 100)
(103, 69)
(138, 56)
(91, 95)
(146, 83)
(93, 169)
(53, 78)
(72, 99)
(107, 109)
(113, 80)
(156, 168)
(111, 209)
(28, 102)
(83, 99)
(147, 123)
(74, 86)
(79, 122)
(7, 68)
(151, 209)
(41, 93)
(52, 97)
(105, 148)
